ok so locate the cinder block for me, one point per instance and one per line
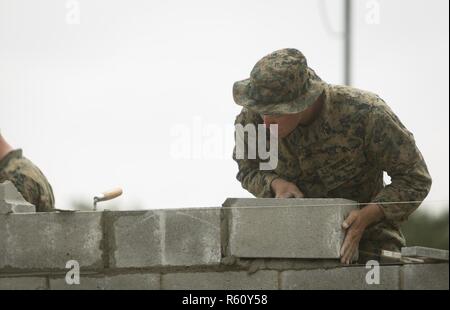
(286, 228)
(424, 252)
(192, 237)
(49, 240)
(425, 277)
(346, 278)
(12, 201)
(231, 280)
(134, 238)
(130, 281)
(171, 237)
(23, 283)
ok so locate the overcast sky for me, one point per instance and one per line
(102, 93)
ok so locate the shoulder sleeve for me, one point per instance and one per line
(32, 184)
(392, 148)
(27, 187)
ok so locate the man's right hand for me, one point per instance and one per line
(285, 189)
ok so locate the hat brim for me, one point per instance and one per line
(299, 104)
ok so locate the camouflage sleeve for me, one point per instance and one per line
(391, 147)
(253, 179)
(33, 192)
(27, 187)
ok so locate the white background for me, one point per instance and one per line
(100, 103)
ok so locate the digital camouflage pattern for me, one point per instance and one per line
(28, 180)
(342, 154)
(280, 83)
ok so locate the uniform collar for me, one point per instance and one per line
(11, 155)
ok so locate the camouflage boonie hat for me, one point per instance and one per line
(279, 83)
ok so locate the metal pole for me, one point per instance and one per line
(347, 42)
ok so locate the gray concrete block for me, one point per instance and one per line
(231, 280)
(130, 281)
(346, 278)
(49, 240)
(425, 277)
(424, 252)
(12, 201)
(192, 237)
(23, 283)
(171, 237)
(134, 238)
(286, 228)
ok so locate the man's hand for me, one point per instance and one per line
(285, 189)
(355, 224)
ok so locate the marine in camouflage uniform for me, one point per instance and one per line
(28, 180)
(342, 153)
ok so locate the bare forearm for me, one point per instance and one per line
(372, 214)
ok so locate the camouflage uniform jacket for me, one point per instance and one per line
(343, 153)
(28, 180)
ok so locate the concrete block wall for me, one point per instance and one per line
(286, 228)
(247, 244)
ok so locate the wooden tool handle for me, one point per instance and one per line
(111, 194)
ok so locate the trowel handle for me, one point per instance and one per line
(109, 194)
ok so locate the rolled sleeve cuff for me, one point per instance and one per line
(395, 212)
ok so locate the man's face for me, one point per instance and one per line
(286, 123)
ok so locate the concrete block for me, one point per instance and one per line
(130, 281)
(425, 277)
(231, 280)
(285, 228)
(192, 237)
(23, 283)
(134, 238)
(171, 237)
(49, 240)
(424, 252)
(12, 201)
(346, 278)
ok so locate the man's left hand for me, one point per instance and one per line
(355, 225)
